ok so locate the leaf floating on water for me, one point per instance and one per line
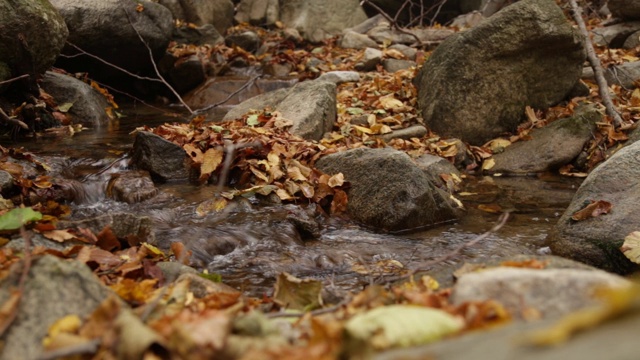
(401, 326)
(297, 294)
(593, 209)
(15, 218)
(631, 247)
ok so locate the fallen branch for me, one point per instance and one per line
(393, 23)
(14, 79)
(603, 87)
(246, 85)
(455, 252)
(5, 118)
(155, 66)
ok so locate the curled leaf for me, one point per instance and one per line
(592, 209)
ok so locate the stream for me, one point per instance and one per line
(249, 243)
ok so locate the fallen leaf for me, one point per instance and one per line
(297, 294)
(591, 210)
(16, 218)
(58, 235)
(631, 247)
(212, 158)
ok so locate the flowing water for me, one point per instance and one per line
(250, 243)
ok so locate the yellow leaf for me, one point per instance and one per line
(295, 173)
(631, 247)
(194, 153)
(58, 235)
(488, 164)
(153, 249)
(363, 129)
(336, 180)
(212, 158)
(388, 102)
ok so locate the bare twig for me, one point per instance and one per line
(393, 23)
(14, 79)
(455, 252)
(246, 85)
(4, 117)
(230, 150)
(109, 64)
(155, 66)
(603, 87)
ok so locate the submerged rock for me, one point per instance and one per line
(389, 192)
(597, 240)
(477, 83)
(131, 186)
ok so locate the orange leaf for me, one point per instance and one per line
(593, 209)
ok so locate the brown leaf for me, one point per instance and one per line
(593, 209)
(107, 240)
(58, 235)
(212, 158)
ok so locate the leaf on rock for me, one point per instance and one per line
(388, 102)
(401, 326)
(336, 180)
(194, 153)
(252, 120)
(58, 235)
(297, 294)
(17, 217)
(591, 210)
(488, 164)
(631, 247)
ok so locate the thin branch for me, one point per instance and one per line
(14, 79)
(392, 22)
(155, 66)
(603, 87)
(246, 85)
(109, 64)
(455, 252)
(4, 117)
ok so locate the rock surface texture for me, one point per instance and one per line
(477, 83)
(597, 240)
(389, 192)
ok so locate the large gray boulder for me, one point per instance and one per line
(44, 33)
(54, 288)
(107, 29)
(596, 241)
(89, 106)
(550, 147)
(218, 13)
(477, 83)
(624, 9)
(388, 192)
(310, 105)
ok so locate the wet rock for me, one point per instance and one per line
(596, 241)
(160, 157)
(434, 166)
(624, 9)
(317, 20)
(340, 77)
(304, 221)
(200, 35)
(44, 32)
(123, 225)
(354, 40)
(54, 288)
(388, 191)
(614, 36)
(415, 131)
(310, 105)
(218, 13)
(89, 106)
(6, 183)
(393, 65)
(258, 12)
(550, 147)
(247, 40)
(477, 83)
(407, 51)
(131, 186)
(183, 74)
(535, 293)
(104, 29)
(369, 60)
